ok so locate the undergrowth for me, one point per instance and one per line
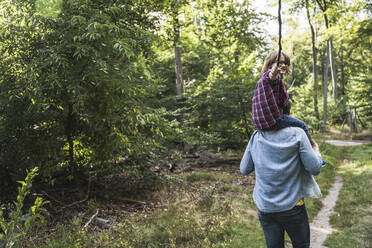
(203, 208)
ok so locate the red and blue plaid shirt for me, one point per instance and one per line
(270, 96)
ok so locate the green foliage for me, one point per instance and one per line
(222, 61)
(76, 88)
(19, 224)
(48, 7)
(302, 107)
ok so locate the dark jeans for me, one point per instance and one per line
(289, 121)
(294, 221)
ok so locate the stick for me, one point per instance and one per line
(294, 80)
(90, 220)
(280, 32)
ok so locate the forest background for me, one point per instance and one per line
(92, 88)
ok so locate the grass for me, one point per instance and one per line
(203, 209)
(353, 211)
(201, 176)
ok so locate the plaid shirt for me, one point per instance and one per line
(270, 96)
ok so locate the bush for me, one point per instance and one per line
(19, 224)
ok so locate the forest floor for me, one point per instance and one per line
(205, 202)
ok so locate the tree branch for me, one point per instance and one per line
(91, 219)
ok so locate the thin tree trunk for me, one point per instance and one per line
(315, 78)
(325, 90)
(333, 70)
(323, 6)
(350, 120)
(178, 67)
(293, 65)
(342, 81)
(69, 134)
(177, 57)
(356, 128)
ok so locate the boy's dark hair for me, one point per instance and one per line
(271, 59)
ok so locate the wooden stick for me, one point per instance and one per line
(91, 219)
(280, 31)
(294, 80)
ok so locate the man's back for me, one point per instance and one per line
(283, 162)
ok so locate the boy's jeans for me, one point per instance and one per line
(289, 121)
(294, 221)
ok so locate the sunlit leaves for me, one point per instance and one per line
(48, 8)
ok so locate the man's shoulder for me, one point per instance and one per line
(289, 130)
(292, 130)
(288, 133)
(297, 130)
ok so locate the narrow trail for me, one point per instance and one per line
(347, 142)
(320, 227)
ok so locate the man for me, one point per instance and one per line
(284, 163)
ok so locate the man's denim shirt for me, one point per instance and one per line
(284, 163)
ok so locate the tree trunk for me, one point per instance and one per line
(355, 118)
(333, 69)
(323, 6)
(177, 56)
(293, 65)
(178, 67)
(350, 120)
(342, 81)
(315, 78)
(325, 89)
(69, 134)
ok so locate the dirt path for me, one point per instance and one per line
(347, 142)
(320, 226)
